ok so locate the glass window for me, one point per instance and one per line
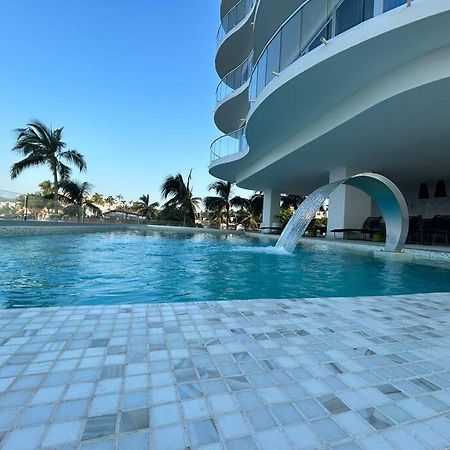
(313, 16)
(248, 5)
(273, 58)
(368, 9)
(240, 11)
(391, 4)
(245, 71)
(325, 32)
(261, 81)
(290, 42)
(253, 83)
(231, 19)
(348, 15)
(242, 140)
(224, 26)
(239, 77)
(233, 79)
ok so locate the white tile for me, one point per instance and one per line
(23, 439)
(194, 409)
(47, 395)
(222, 403)
(233, 425)
(62, 433)
(104, 404)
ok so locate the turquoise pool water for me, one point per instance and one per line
(118, 268)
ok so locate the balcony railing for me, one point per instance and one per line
(233, 17)
(314, 22)
(229, 144)
(234, 79)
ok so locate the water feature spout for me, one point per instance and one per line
(384, 193)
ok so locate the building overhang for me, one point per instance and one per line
(374, 98)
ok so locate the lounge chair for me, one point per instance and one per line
(371, 226)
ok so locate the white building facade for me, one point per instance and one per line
(315, 91)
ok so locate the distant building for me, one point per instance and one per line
(122, 215)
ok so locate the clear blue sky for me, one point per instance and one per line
(132, 82)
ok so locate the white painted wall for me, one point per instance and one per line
(348, 207)
(271, 211)
(427, 208)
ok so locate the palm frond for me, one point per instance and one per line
(76, 158)
(214, 204)
(63, 170)
(291, 200)
(173, 186)
(240, 202)
(30, 161)
(221, 188)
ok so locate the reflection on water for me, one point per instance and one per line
(133, 268)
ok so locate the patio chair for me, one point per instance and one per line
(371, 226)
(437, 227)
(415, 233)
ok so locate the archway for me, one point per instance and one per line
(384, 193)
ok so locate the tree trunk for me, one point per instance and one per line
(55, 190)
(228, 215)
(184, 217)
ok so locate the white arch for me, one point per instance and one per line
(384, 193)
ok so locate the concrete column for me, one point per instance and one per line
(349, 207)
(271, 211)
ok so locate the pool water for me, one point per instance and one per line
(133, 267)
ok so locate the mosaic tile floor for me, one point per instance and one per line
(344, 373)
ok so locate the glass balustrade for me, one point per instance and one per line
(229, 144)
(313, 23)
(235, 79)
(233, 17)
(305, 30)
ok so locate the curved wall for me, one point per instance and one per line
(304, 111)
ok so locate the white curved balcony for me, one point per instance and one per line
(268, 19)
(229, 145)
(231, 113)
(233, 18)
(233, 80)
(371, 98)
(312, 24)
(225, 6)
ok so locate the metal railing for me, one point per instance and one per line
(234, 79)
(233, 17)
(229, 144)
(313, 23)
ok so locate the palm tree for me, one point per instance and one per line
(97, 199)
(41, 145)
(180, 195)
(120, 201)
(110, 200)
(145, 208)
(77, 193)
(222, 202)
(46, 188)
(249, 209)
(291, 201)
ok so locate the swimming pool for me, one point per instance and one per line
(135, 267)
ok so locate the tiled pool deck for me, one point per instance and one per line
(342, 373)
